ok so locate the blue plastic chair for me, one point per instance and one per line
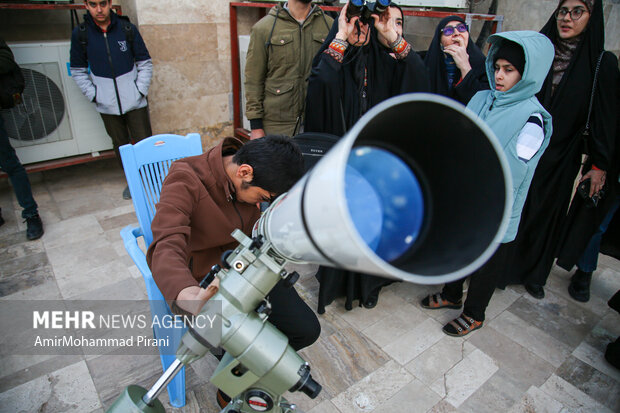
(146, 165)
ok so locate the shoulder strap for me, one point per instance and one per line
(127, 30)
(275, 19)
(128, 35)
(83, 35)
(598, 66)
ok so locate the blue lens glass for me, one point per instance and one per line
(385, 201)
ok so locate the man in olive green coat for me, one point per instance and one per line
(282, 46)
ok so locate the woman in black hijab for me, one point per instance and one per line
(455, 64)
(358, 66)
(354, 71)
(576, 29)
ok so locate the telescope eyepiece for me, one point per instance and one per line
(306, 383)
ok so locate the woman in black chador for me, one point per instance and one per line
(576, 29)
(455, 64)
(358, 66)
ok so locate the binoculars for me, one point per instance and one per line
(365, 9)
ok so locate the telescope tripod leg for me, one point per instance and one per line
(136, 399)
(240, 404)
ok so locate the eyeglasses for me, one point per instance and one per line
(449, 30)
(575, 14)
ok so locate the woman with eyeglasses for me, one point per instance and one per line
(576, 29)
(455, 64)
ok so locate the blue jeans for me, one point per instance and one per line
(9, 163)
(589, 258)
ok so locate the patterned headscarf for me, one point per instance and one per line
(564, 49)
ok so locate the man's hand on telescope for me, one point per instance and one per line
(193, 298)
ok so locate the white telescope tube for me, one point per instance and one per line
(418, 190)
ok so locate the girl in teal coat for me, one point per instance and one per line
(517, 66)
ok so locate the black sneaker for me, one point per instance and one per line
(34, 228)
(1, 219)
(126, 193)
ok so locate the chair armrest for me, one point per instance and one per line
(130, 235)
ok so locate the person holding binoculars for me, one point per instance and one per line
(364, 61)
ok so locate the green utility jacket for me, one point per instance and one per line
(278, 65)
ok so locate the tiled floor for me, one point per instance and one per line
(531, 356)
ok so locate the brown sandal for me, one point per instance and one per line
(435, 302)
(461, 326)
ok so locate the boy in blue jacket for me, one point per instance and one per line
(120, 72)
(517, 66)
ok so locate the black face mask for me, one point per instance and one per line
(306, 1)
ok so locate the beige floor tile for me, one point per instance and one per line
(443, 407)
(75, 256)
(18, 370)
(535, 400)
(498, 394)
(571, 397)
(528, 336)
(438, 359)
(44, 291)
(415, 342)
(73, 230)
(595, 358)
(340, 360)
(523, 365)
(415, 397)
(21, 250)
(73, 282)
(375, 389)
(69, 389)
(108, 216)
(325, 406)
(591, 381)
(401, 319)
(465, 378)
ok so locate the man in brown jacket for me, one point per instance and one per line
(203, 199)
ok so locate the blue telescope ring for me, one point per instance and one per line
(385, 201)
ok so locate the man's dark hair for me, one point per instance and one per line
(276, 160)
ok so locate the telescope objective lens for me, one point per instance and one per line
(385, 201)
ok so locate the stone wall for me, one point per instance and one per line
(189, 42)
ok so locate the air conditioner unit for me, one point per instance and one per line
(54, 120)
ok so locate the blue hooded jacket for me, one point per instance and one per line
(506, 113)
(120, 71)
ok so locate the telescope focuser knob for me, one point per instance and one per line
(210, 276)
(257, 243)
(264, 308)
(290, 281)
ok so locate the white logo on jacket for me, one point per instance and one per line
(123, 45)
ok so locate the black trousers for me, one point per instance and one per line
(293, 317)
(481, 285)
(131, 127)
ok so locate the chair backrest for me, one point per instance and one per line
(146, 165)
